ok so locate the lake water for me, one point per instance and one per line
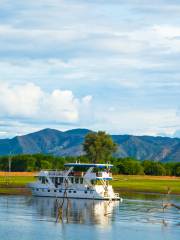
(138, 217)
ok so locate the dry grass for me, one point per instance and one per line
(18, 174)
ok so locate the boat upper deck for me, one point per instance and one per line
(88, 165)
(88, 172)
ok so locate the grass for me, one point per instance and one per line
(16, 184)
(146, 184)
(15, 181)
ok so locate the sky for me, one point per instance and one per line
(111, 65)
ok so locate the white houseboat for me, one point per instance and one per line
(80, 180)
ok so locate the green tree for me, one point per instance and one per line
(177, 169)
(99, 146)
(154, 168)
(169, 167)
(129, 166)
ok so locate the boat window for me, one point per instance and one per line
(85, 191)
(81, 180)
(70, 191)
(76, 180)
(61, 180)
(52, 179)
(74, 192)
(48, 190)
(37, 189)
(72, 180)
(60, 191)
(56, 182)
(43, 180)
(54, 190)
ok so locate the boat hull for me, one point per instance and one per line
(72, 193)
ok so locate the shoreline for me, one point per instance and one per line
(13, 191)
(24, 191)
(129, 191)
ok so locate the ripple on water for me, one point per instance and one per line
(101, 218)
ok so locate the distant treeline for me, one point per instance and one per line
(129, 166)
(132, 166)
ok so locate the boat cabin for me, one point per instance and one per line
(77, 173)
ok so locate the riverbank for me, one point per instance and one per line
(146, 184)
(15, 183)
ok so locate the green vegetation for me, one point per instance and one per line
(15, 181)
(146, 184)
(130, 166)
(123, 183)
(126, 166)
(35, 162)
(99, 146)
(15, 185)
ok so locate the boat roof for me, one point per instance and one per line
(97, 165)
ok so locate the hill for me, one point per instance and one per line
(69, 143)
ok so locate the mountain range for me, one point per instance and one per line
(69, 143)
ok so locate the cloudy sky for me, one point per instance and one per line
(111, 65)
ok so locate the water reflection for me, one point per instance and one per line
(75, 210)
(35, 218)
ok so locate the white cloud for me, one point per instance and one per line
(21, 100)
(30, 101)
(61, 105)
(87, 99)
(167, 31)
(45, 35)
(138, 121)
(124, 52)
(121, 45)
(158, 39)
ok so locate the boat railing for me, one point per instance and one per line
(56, 173)
(60, 173)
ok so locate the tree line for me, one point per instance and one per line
(128, 166)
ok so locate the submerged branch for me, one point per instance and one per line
(166, 205)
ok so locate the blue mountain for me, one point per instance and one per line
(69, 143)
